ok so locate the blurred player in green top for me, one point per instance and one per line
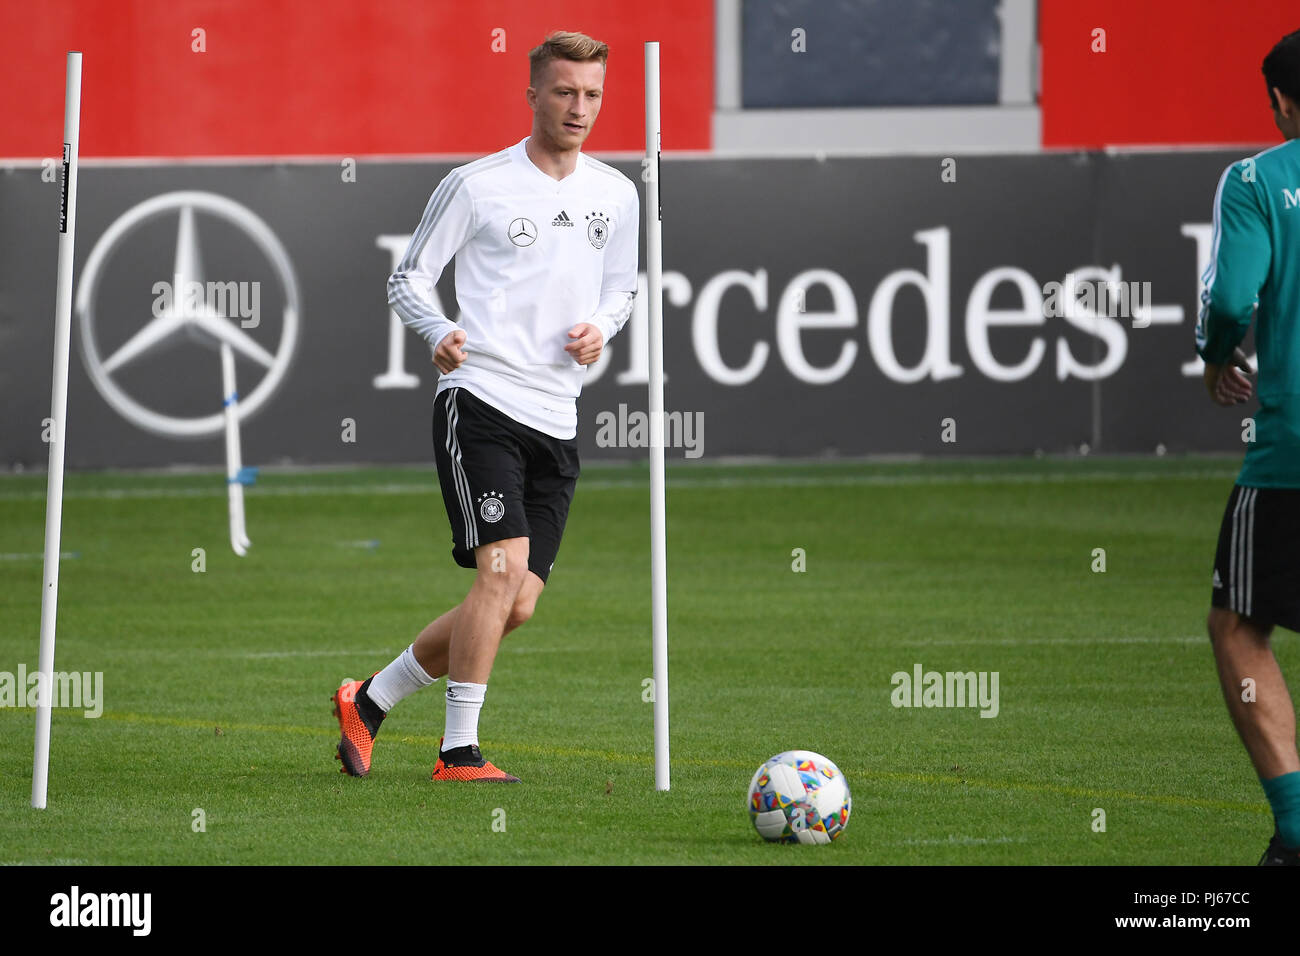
(1255, 269)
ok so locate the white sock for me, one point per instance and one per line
(398, 680)
(464, 701)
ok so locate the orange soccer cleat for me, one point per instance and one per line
(466, 764)
(358, 732)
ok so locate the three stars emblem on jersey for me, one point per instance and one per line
(491, 507)
(597, 230)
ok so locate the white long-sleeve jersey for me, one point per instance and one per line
(534, 257)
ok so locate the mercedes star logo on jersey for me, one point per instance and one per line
(522, 232)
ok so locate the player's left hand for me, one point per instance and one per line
(1228, 384)
(587, 343)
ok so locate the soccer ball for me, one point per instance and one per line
(799, 797)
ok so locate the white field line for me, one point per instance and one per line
(1063, 641)
(674, 484)
(56, 861)
(269, 655)
(371, 652)
(508, 648)
(550, 649)
(955, 840)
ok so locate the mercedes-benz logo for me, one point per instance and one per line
(522, 232)
(182, 315)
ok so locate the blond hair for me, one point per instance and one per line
(562, 45)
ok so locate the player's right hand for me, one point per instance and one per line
(448, 355)
(1226, 383)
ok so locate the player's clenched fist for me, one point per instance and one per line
(448, 355)
(587, 343)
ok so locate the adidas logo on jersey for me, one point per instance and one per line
(562, 220)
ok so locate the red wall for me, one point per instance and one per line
(333, 77)
(1174, 71)
(374, 77)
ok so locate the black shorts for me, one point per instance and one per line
(501, 479)
(1257, 564)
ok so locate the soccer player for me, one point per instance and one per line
(545, 242)
(1255, 267)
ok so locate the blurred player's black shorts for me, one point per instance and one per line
(1257, 564)
(501, 479)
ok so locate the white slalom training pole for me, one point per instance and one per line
(658, 531)
(235, 476)
(58, 434)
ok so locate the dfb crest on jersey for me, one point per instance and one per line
(597, 230)
(490, 507)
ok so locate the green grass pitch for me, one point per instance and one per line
(216, 685)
